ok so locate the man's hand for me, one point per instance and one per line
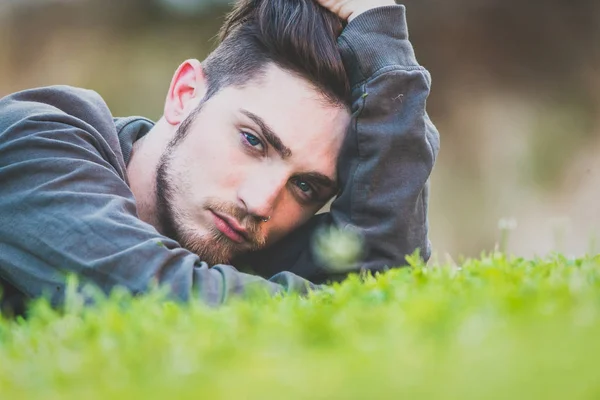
(350, 9)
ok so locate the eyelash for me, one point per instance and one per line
(255, 147)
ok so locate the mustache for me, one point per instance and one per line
(248, 221)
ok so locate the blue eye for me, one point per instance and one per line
(305, 191)
(305, 187)
(252, 140)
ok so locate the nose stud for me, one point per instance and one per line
(266, 219)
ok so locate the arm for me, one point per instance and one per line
(65, 208)
(387, 158)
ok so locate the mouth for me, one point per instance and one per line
(229, 227)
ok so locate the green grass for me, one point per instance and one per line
(497, 328)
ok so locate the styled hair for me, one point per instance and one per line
(298, 36)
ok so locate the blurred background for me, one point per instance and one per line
(516, 98)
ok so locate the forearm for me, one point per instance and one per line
(391, 147)
(41, 244)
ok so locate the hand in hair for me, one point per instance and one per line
(350, 9)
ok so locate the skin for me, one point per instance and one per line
(224, 174)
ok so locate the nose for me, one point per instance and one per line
(260, 192)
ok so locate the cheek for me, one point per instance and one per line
(207, 167)
(291, 216)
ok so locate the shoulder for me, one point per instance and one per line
(66, 99)
(56, 106)
(60, 114)
(54, 101)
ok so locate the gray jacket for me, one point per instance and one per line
(66, 207)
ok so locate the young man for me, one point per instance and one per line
(253, 142)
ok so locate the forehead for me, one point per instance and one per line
(305, 122)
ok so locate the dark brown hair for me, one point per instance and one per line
(298, 36)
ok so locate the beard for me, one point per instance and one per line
(212, 247)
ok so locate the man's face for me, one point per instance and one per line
(267, 151)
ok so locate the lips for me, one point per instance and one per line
(229, 227)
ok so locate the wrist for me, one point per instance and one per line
(367, 5)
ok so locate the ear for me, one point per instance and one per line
(187, 88)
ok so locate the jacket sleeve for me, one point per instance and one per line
(386, 160)
(65, 208)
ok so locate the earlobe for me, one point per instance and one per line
(187, 88)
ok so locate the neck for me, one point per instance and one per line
(141, 170)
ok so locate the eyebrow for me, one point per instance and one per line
(269, 135)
